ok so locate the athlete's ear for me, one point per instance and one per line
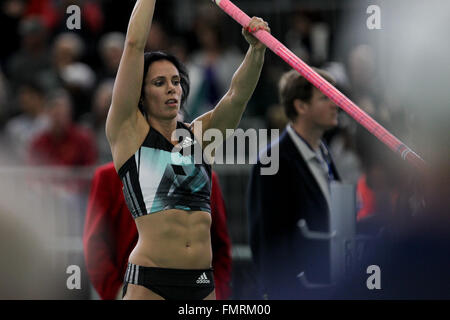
(300, 106)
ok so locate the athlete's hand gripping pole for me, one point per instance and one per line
(324, 86)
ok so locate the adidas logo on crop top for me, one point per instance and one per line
(157, 177)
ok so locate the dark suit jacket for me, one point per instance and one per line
(275, 205)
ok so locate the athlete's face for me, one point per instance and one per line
(162, 90)
(321, 111)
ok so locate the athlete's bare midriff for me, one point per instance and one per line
(173, 239)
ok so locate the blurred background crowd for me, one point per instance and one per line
(56, 86)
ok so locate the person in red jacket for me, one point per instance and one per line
(110, 235)
(63, 143)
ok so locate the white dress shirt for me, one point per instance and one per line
(315, 161)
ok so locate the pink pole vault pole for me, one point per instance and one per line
(324, 86)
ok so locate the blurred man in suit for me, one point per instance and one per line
(298, 191)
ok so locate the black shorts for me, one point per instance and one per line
(171, 284)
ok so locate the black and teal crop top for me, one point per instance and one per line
(158, 178)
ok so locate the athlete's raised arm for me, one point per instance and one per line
(127, 87)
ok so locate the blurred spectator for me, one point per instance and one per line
(33, 56)
(382, 180)
(339, 72)
(211, 67)
(179, 49)
(45, 9)
(382, 175)
(158, 39)
(32, 120)
(85, 18)
(63, 143)
(365, 91)
(54, 15)
(309, 40)
(110, 48)
(360, 157)
(68, 72)
(96, 119)
(67, 48)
